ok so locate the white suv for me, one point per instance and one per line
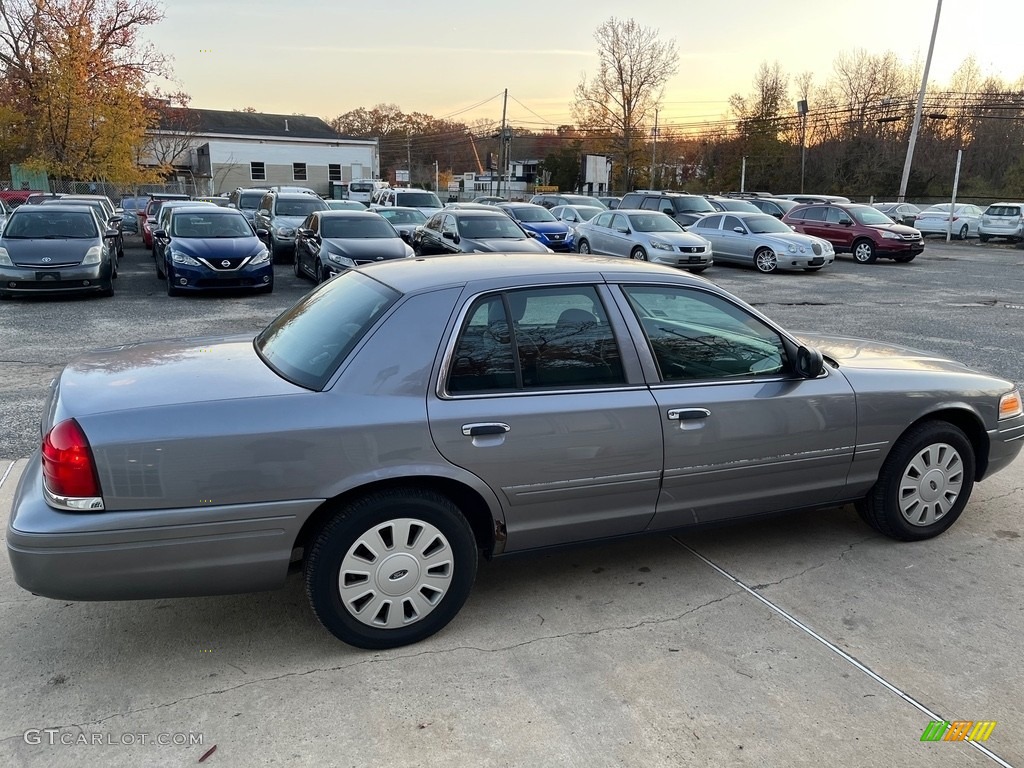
(1002, 220)
(404, 197)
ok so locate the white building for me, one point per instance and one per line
(219, 150)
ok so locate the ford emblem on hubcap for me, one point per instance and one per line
(397, 575)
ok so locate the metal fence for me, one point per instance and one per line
(114, 191)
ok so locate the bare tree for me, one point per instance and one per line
(634, 64)
(174, 133)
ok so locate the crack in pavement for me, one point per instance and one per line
(1010, 492)
(342, 667)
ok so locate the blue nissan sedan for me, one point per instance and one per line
(212, 248)
(538, 222)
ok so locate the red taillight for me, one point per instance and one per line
(68, 468)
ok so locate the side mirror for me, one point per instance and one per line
(262, 234)
(119, 211)
(448, 235)
(739, 230)
(809, 362)
(110, 234)
(622, 230)
(304, 231)
(116, 219)
(262, 212)
(161, 233)
(530, 234)
(232, 205)
(846, 222)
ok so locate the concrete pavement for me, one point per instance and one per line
(637, 653)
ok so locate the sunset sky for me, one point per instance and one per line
(325, 57)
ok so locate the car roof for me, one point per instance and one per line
(353, 214)
(393, 208)
(432, 272)
(208, 208)
(475, 212)
(54, 208)
(739, 214)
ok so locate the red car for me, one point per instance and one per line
(148, 215)
(865, 232)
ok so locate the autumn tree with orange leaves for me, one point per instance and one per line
(74, 80)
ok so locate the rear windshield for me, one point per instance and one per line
(308, 342)
(532, 214)
(1003, 210)
(360, 186)
(418, 199)
(693, 205)
(403, 217)
(360, 227)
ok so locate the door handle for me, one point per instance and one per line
(688, 414)
(488, 428)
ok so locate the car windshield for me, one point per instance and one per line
(403, 217)
(419, 199)
(533, 214)
(358, 227)
(653, 222)
(763, 225)
(345, 205)
(299, 207)
(202, 224)
(583, 200)
(869, 216)
(41, 224)
(250, 202)
(587, 212)
(307, 343)
(489, 227)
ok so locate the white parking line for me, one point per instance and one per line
(6, 473)
(836, 649)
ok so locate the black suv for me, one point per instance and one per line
(685, 209)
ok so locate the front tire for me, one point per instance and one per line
(766, 261)
(864, 252)
(584, 247)
(638, 254)
(924, 484)
(391, 568)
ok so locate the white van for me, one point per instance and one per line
(363, 189)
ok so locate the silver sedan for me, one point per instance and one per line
(410, 416)
(643, 236)
(762, 241)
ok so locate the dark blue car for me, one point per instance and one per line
(212, 248)
(538, 221)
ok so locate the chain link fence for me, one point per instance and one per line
(114, 191)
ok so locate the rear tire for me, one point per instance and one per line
(924, 484)
(983, 238)
(864, 252)
(964, 232)
(391, 568)
(905, 259)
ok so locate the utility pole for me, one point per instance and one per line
(743, 175)
(501, 150)
(952, 207)
(801, 109)
(436, 178)
(654, 147)
(408, 159)
(920, 105)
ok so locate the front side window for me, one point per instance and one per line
(257, 171)
(538, 338)
(307, 343)
(697, 335)
(731, 223)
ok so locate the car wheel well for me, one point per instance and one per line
(469, 502)
(971, 426)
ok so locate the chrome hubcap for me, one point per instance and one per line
(396, 573)
(766, 261)
(931, 484)
(863, 253)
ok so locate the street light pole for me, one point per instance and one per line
(654, 147)
(920, 106)
(801, 108)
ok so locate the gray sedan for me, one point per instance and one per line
(762, 241)
(408, 417)
(643, 236)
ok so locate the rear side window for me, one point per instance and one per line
(307, 343)
(810, 214)
(536, 339)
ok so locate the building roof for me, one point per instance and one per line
(231, 123)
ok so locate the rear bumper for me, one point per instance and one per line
(149, 554)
